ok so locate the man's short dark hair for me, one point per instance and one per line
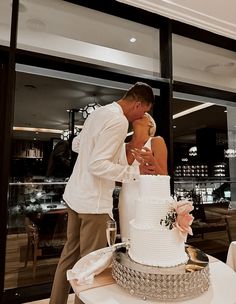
(140, 91)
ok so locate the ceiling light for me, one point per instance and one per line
(230, 153)
(193, 109)
(89, 108)
(65, 134)
(133, 39)
(193, 151)
(43, 130)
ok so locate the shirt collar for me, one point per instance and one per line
(119, 108)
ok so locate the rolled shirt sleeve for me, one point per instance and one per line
(76, 143)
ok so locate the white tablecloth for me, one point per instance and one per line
(231, 256)
(222, 290)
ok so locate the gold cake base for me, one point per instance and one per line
(164, 284)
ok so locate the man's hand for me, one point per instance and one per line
(146, 169)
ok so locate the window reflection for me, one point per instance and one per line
(202, 139)
(73, 33)
(203, 64)
(5, 24)
(41, 163)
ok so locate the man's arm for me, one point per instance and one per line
(104, 157)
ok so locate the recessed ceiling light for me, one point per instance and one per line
(174, 127)
(225, 111)
(133, 39)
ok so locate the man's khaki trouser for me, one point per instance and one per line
(85, 233)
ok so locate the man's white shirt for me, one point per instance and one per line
(90, 187)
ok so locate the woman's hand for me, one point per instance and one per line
(144, 156)
(147, 156)
(145, 159)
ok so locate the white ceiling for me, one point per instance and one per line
(217, 16)
(42, 101)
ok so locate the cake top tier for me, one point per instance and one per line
(154, 186)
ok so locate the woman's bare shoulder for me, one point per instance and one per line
(158, 143)
(158, 139)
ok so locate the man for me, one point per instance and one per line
(88, 192)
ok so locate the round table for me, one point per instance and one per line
(222, 290)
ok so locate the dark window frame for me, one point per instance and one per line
(11, 55)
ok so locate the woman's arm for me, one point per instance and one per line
(156, 158)
(159, 151)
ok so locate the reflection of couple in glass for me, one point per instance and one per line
(88, 192)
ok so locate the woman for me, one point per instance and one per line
(153, 152)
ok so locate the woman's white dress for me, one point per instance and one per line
(127, 198)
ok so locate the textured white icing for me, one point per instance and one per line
(150, 242)
(154, 186)
(156, 247)
(148, 213)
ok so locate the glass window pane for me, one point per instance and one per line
(87, 35)
(37, 218)
(196, 134)
(5, 21)
(205, 168)
(200, 63)
(204, 147)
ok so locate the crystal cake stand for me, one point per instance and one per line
(164, 284)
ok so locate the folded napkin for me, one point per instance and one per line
(92, 264)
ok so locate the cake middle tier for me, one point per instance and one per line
(149, 212)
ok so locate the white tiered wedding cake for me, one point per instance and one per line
(160, 225)
(155, 264)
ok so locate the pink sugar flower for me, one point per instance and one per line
(184, 219)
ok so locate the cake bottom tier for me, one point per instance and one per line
(162, 247)
(163, 284)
